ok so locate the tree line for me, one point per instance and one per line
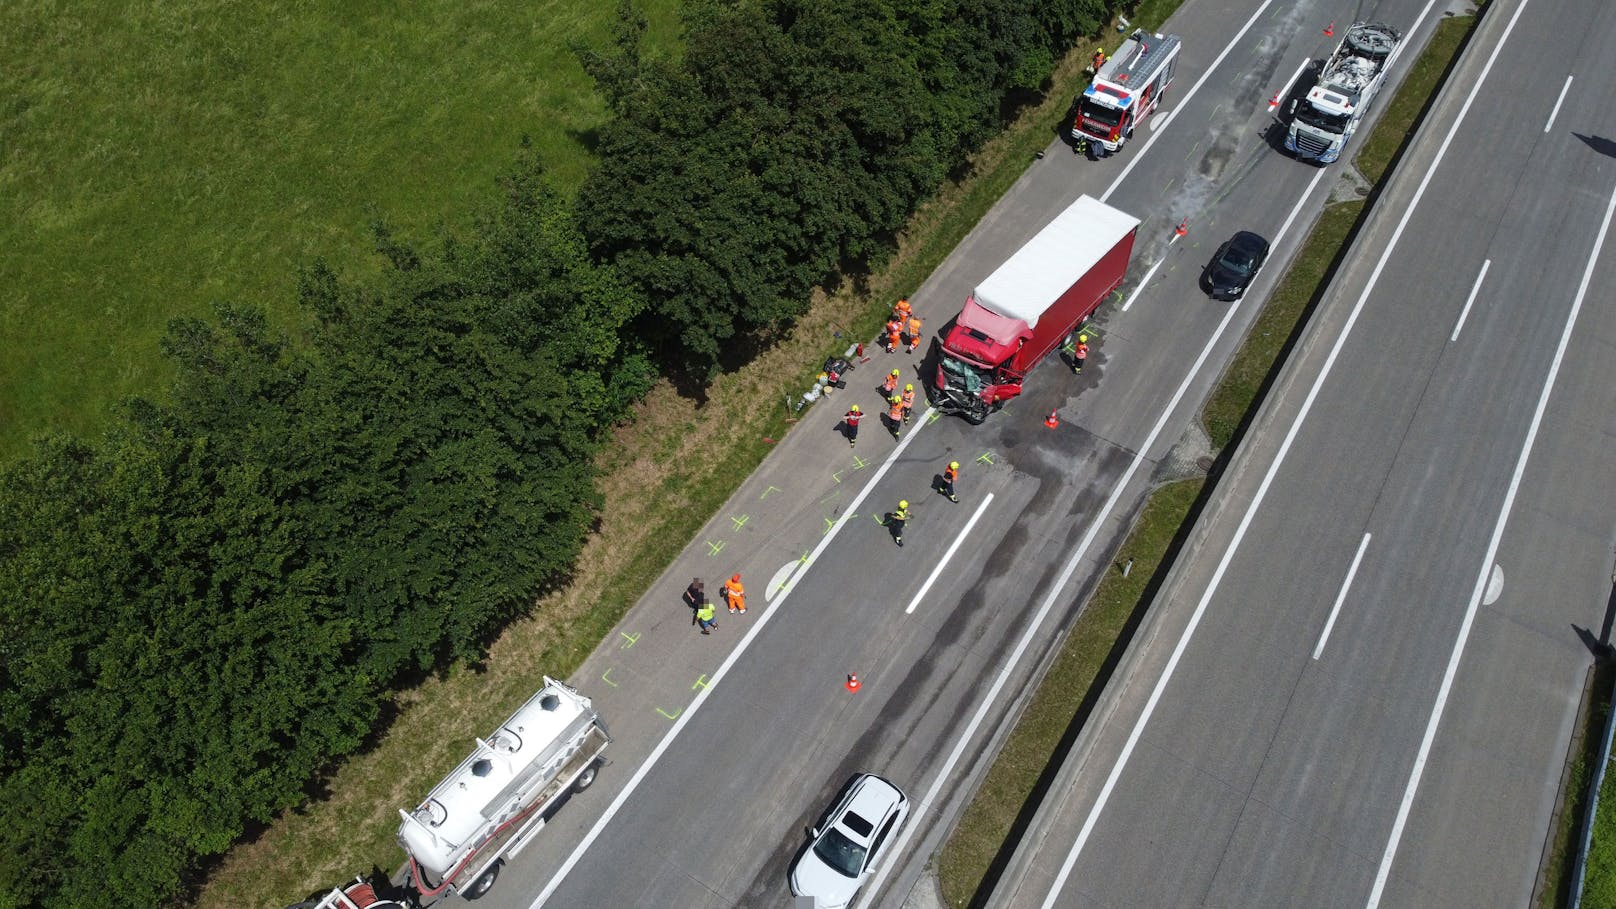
(208, 605)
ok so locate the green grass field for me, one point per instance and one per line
(158, 156)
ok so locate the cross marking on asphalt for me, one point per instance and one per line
(715, 548)
(632, 639)
(740, 521)
(985, 457)
(701, 682)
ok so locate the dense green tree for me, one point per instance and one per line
(791, 143)
(205, 608)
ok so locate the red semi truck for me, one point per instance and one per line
(1029, 305)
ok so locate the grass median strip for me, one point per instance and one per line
(968, 863)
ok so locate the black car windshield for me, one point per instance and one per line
(1236, 261)
(839, 852)
(1312, 116)
(1110, 116)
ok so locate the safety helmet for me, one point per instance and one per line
(903, 504)
(855, 408)
(894, 372)
(953, 465)
(894, 399)
(1082, 339)
(735, 578)
(909, 387)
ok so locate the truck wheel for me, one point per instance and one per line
(585, 778)
(976, 415)
(480, 887)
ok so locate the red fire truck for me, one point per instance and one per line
(1127, 89)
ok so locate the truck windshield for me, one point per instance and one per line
(1110, 116)
(964, 376)
(1312, 116)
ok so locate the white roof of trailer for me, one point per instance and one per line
(1037, 274)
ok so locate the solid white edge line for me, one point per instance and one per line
(943, 562)
(723, 670)
(1035, 625)
(1292, 80)
(1384, 872)
(1341, 597)
(1156, 131)
(1262, 491)
(1141, 288)
(1474, 289)
(1557, 102)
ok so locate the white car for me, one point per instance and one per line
(848, 846)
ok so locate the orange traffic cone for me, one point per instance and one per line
(1329, 30)
(1182, 228)
(1052, 420)
(853, 683)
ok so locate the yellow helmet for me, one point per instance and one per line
(909, 387)
(903, 504)
(894, 372)
(1082, 339)
(855, 408)
(894, 399)
(953, 465)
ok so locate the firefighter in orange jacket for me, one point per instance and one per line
(894, 329)
(735, 593)
(914, 333)
(901, 311)
(890, 386)
(908, 401)
(895, 414)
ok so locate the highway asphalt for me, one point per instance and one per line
(728, 746)
(1359, 685)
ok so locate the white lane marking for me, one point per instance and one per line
(780, 580)
(1485, 574)
(941, 563)
(1486, 263)
(1262, 490)
(1141, 288)
(1156, 133)
(991, 699)
(718, 676)
(1292, 80)
(1341, 597)
(1557, 102)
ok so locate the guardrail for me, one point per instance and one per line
(1593, 802)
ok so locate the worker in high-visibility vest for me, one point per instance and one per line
(913, 329)
(908, 398)
(890, 386)
(895, 414)
(735, 593)
(895, 521)
(950, 474)
(901, 311)
(894, 329)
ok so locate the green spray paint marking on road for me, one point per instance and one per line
(837, 476)
(933, 416)
(701, 682)
(769, 490)
(859, 463)
(740, 521)
(672, 716)
(985, 457)
(632, 639)
(715, 548)
(607, 678)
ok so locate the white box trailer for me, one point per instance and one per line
(490, 807)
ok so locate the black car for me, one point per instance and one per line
(1235, 266)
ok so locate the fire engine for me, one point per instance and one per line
(1126, 89)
